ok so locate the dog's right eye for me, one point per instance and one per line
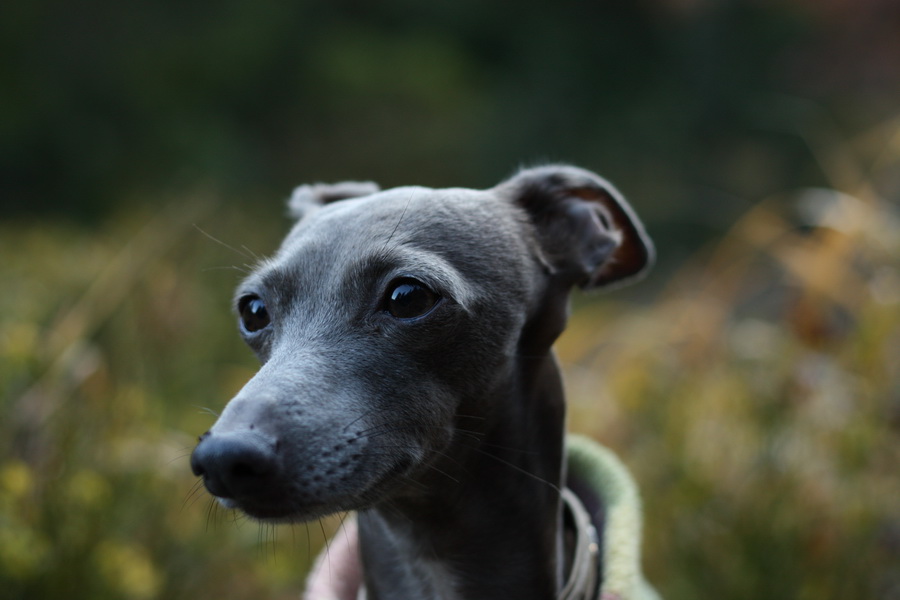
(254, 315)
(408, 299)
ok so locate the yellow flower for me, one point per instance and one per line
(87, 488)
(16, 479)
(128, 570)
(21, 551)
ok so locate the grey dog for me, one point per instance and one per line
(407, 374)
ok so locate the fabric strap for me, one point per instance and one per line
(583, 576)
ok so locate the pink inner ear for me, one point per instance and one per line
(591, 240)
(633, 252)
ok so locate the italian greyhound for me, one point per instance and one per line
(407, 374)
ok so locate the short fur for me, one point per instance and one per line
(445, 431)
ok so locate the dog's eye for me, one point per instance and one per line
(254, 315)
(408, 299)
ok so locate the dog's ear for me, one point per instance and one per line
(587, 232)
(308, 197)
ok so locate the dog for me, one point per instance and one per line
(407, 374)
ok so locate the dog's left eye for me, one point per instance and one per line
(408, 299)
(254, 315)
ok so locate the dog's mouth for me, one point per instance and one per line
(278, 513)
(295, 477)
(296, 503)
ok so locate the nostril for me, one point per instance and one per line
(243, 469)
(235, 465)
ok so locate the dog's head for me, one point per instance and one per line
(387, 316)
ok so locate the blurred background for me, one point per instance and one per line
(752, 382)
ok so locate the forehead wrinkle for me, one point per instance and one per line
(279, 279)
(427, 266)
(269, 280)
(358, 239)
(260, 277)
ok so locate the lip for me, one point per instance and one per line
(283, 514)
(288, 512)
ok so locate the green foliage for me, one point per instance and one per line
(756, 398)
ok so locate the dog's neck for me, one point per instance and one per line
(487, 524)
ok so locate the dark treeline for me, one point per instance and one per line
(696, 108)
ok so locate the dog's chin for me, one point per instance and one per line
(287, 512)
(281, 514)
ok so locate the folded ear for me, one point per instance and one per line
(308, 197)
(587, 232)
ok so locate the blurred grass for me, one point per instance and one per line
(113, 343)
(757, 400)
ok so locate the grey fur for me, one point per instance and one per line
(444, 431)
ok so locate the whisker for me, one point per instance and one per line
(518, 468)
(193, 495)
(377, 431)
(238, 518)
(444, 473)
(479, 418)
(252, 254)
(391, 507)
(418, 485)
(259, 539)
(274, 529)
(221, 243)
(327, 548)
(184, 453)
(210, 512)
(343, 517)
(360, 417)
(470, 432)
(242, 269)
(511, 449)
(397, 226)
(207, 411)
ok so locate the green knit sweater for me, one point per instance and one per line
(605, 474)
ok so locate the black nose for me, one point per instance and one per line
(235, 465)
